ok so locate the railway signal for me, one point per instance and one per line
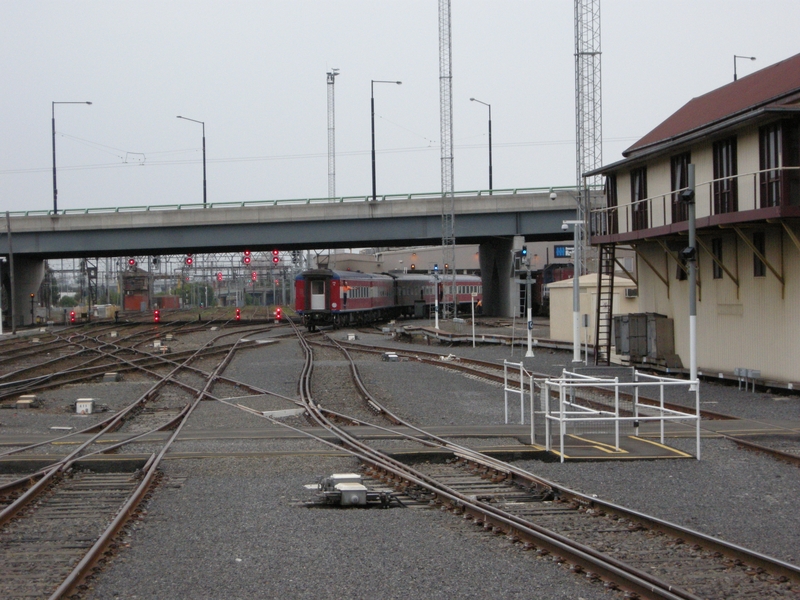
(238, 314)
(275, 258)
(156, 316)
(131, 262)
(188, 260)
(278, 314)
(254, 276)
(219, 276)
(246, 257)
(72, 316)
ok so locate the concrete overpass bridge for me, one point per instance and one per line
(491, 220)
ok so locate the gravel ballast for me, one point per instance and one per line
(213, 511)
(235, 528)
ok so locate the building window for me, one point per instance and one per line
(612, 215)
(680, 180)
(716, 251)
(759, 268)
(726, 197)
(638, 195)
(769, 146)
(790, 157)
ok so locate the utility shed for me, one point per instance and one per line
(625, 301)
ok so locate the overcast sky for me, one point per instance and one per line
(255, 72)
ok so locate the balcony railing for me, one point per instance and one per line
(743, 192)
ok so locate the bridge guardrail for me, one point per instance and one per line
(285, 202)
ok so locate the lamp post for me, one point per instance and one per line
(55, 186)
(735, 56)
(576, 294)
(490, 138)
(204, 154)
(372, 107)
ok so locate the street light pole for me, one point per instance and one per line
(372, 107)
(490, 139)
(735, 56)
(204, 155)
(576, 295)
(53, 121)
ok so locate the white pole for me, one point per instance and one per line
(436, 301)
(692, 284)
(528, 303)
(473, 318)
(576, 298)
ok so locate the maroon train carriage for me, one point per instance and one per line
(415, 292)
(325, 297)
(338, 298)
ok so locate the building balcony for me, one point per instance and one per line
(746, 198)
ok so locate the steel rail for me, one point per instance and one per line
(770, 564)
(432, 358)
(95, 552)
(608, 567)
(13, 508)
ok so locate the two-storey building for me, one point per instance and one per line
(744, 141)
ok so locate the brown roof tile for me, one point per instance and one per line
(769, 85)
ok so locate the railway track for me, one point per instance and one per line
(58, 523)
(642, 555)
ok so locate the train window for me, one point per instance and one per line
(317, 287)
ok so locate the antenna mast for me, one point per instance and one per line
(446, 134)
(588, 104)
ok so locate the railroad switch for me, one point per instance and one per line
(347, 489)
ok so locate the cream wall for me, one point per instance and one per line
(759, 329)
(561, 305)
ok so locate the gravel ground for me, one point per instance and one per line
(235, 529)
(246, 508)
(739, 496)
(56, 410)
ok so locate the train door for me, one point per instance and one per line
(317, 294)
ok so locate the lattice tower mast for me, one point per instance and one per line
(588, 107)
(331, 135)
(446, 134)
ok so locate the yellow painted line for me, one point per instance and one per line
(659, 445)
(600, 445)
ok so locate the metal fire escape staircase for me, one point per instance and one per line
(605, 305)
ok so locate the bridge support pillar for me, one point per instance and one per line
(500, 295)
(28, 276)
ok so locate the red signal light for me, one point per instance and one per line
(188, 260)
(238, 314)
(72, 316)
(246, 260)
(247, 252)
(278, 314)
(275, 258)
(156, 316)
(132, 262)
(254, 276)
(219, 276)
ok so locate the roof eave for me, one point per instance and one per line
(689, 137)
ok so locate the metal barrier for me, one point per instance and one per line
(508, 388)
(561, 406)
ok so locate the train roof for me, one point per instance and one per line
(334, 274)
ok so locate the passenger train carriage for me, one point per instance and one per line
(326, 297)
